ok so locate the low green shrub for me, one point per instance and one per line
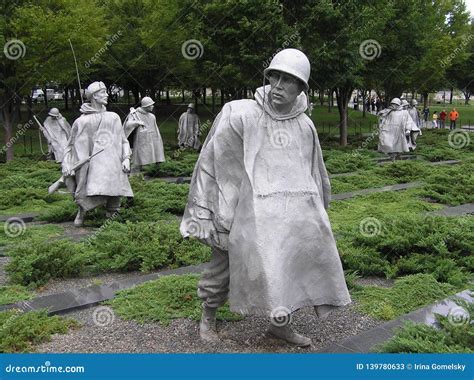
(447, 337)
(163, 300)
(14, 293)
(20, 332)
(407, 294)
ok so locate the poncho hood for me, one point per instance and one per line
(87, 108)
(262, 99)
(386, 111)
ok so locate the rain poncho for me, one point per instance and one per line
(147, 142)
(262, 180)
(103, 175)
(188, 130)
(57, 133)
(395, 125)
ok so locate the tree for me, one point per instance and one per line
(44, 50)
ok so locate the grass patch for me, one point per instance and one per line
(14, 293)
(179, 163)
(163, 300)
(43, 232)
(448, 337)
(115, 247)
(20, 332)
(407, 294)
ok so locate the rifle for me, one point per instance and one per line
(44, 130)
(135, 117)
(56, 185)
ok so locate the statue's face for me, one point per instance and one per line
(101, 97)
(148, 108)
(190, 110)
(284, 88)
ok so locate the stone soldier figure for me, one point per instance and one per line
(58, 131)
(258, 197)
(395, 124)
(98, 133)
(416, 129)
(188, 131)
(147, 145)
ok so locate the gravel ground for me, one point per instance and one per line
(182, 335)
(4, 260)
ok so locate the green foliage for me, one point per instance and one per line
(36, 261)
(114, 247)
(43, 232)
(163, 300)
(447, 338)
(13, 293)
(20, 332)
(179, 163)
(340, 161)
(407, 294)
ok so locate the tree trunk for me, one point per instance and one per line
(330, 101)
(168, 101)
(363, 103)
(204, 90)
(222, 97)
(321, 97)
(29, 101)
(8, 127)
(66, 98)
(45, 98)
(213, 101)
(184, 99)
(425, 99)
(451, 96)
(343, 95)
(136, 95)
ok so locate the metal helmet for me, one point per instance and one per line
(293, 62)
(147, 101)
(191, 105)
(93, 88)
(414, 102)
(404, 103)
(54, 112)
(396, 101)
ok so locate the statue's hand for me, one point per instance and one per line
(207, 231)
(126, 165)
(68, 172)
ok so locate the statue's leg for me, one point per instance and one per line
(283, 331)
(112, 206)
(213, 289)
(81, 214)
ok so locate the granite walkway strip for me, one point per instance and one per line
(465, 209)
(366, 341)
(74, 299)
(401, 186)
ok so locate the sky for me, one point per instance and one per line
(470, 6)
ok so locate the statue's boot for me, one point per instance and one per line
(111, 213)
(79, 221)
(287, 334)
(207, 326)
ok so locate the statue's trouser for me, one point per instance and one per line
(112, 204)
(213, 287)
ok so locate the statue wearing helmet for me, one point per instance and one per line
(57, 131)
(258, 197)
(416, 130)
(189, 129)
(395, 125)
(97, 158)
(141, 129)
